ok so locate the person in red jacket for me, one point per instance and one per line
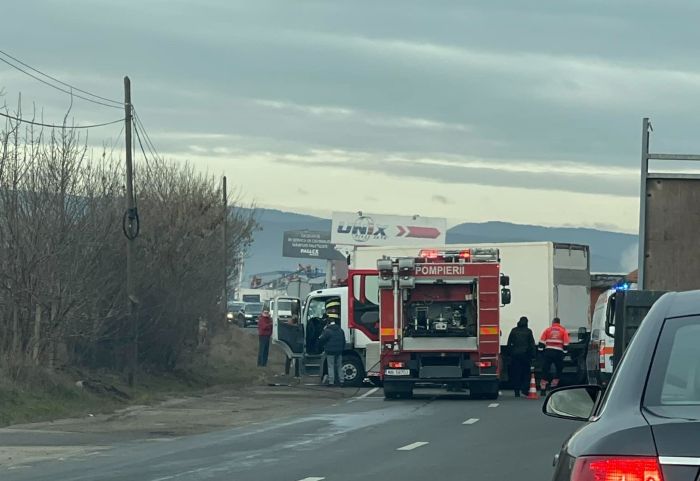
(264, 333)
(554, 343)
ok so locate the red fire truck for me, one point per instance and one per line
(439, 321)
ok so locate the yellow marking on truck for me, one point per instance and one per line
(487, 331)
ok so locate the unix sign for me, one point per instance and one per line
(441, 270)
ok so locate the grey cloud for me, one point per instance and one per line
(480, 174)
(553, 81)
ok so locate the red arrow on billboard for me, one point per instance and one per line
(402, 231)
(423, 232)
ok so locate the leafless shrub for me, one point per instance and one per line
(62, 253)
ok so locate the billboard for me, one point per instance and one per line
(308, 244)
(357, 229)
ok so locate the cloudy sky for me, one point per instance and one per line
(527, 112)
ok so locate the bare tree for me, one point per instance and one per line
(62, 266)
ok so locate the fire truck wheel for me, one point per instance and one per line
(352, 371)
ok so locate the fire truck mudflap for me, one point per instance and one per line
(439, 322)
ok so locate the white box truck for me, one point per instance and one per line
(547, 280)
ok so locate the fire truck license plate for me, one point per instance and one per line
(397, 372)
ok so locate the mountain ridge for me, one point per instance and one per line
(610, 251)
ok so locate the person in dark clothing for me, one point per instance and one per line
(264, 333)
(521, 346)
(332, 341)
(294, 324)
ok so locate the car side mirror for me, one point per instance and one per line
(505, 280)
(572, 402)
(610, 331)
(505, 296)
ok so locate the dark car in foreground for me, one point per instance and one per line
(249, 313)
(646, 427)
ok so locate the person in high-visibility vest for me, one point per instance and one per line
(553, 345)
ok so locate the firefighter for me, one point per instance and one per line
(553, 345)
(332, 341)
(521, 347)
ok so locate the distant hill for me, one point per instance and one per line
(610, 251)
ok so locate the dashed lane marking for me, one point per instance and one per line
(471, 421)
(412, 446)
(493, 405)
(312, 479)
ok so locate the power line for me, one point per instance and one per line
(149, 142)
(140, 126)
(69, 92)
(114, 144)
(54, 126)
(59, 81)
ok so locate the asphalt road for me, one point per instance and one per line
(433, 436)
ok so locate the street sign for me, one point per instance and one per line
(387, 230)
(309, 244)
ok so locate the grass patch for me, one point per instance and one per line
(49, 397)
(41, 395)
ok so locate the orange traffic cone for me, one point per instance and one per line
(532, 393)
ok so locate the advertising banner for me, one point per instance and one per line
(353, 229)
(307, 244)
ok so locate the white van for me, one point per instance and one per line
(599, 365)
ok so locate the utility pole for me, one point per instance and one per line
(224, 294)
(130, 231)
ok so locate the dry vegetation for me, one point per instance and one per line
(62, 260)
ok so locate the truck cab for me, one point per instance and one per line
(300, 342)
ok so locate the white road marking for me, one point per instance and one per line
(365, 395)
(368, 393)
(471, 421)
(412, 446)
(312, 479)
(494, 405)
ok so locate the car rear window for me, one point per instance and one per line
(674, 378)
(254, 308)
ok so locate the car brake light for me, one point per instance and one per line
(616, 468)
(430, 253)
(396, 364)
(484, 364)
